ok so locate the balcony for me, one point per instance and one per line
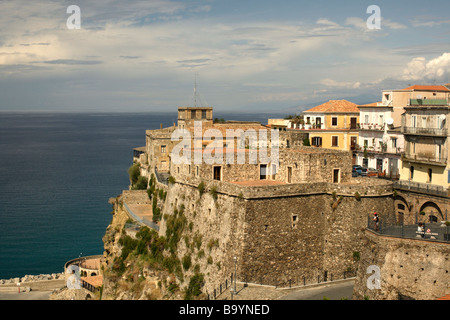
(428, 102)
(435, 160)
(370, 127)
(425, 131)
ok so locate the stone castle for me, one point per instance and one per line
(299, 218)
(251, 200)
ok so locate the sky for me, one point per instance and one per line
(242, 56)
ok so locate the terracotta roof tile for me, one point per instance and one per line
(446, 297)
(427, 88)
(336, 106)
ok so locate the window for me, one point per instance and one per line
(316, 141)
(336, 174)
(334, 141)
(424, 122)
(394, 142)
(193, 114)
(203, 114)
(294, 220)
(430, 175)
(163, 149)
(413, 121)
(289, 177)
(216, 173)
(366, 118)
(263, 172)
(411, 172)
(334, 121)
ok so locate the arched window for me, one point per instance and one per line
(411, 172)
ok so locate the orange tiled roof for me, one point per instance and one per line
(336, 106)
(95, 281)
(446, 297)
(374, 104)
(427, 88)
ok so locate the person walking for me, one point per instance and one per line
(376, 221)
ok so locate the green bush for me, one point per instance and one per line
(195, 286)
(213, 192)
(141, 183)
(187, 262)
(134, 173)
(201, 188)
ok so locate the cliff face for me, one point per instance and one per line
(129, 273)
(205, 233)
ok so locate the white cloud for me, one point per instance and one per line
(419, 69)
(343, 84)
(361, 24)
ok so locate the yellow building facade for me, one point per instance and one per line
(333, 125)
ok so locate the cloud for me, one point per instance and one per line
(428, 21)
(361, 24)
(419, 69)
(72, 62)
(333, 83)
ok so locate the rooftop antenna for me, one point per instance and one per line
(195, 90)
(197, 98)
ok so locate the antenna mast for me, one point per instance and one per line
(195, 90)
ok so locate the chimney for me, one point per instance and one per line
(160, 126)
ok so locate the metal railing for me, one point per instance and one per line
(425, 131)
(433, 231)
(421, 187)
(302, 281)
(145, 221)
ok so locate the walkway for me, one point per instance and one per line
(336, 290)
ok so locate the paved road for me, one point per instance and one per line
(32, 295)
(336, 291)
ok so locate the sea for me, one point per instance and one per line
(57, 172)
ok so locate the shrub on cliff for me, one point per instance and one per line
(194, 289)
(201, 188)
(141, 183)
(134, 173)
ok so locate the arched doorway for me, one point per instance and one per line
(430, 213)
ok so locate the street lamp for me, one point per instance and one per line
(235, 263)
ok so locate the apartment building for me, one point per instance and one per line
(333, 125)
(425, 173)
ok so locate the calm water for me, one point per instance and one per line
(57, 172)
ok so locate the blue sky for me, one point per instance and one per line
(248, 55)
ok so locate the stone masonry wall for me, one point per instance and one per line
(282, 233)
(409, 268)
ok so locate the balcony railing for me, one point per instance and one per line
(426, 188)
(428, 102)
(425, 131)
(442, 160)
(370, 127)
